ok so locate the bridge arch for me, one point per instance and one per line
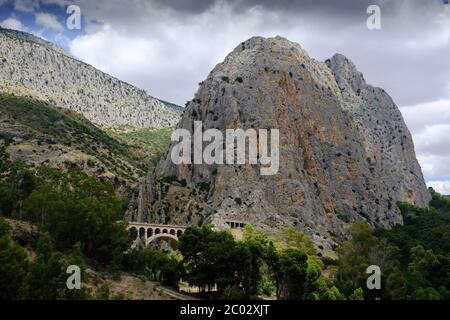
(161, 236)
(134, 229)
(142, 232)
(146, 233)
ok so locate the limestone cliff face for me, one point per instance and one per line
(345, 151)
(31, 66)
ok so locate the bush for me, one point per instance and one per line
(13, 265)
(74, 207)
(233, 293)
(6, 137)
(154, 264)
(204, 186)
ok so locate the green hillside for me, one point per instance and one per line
(152, 143)
(39, 133)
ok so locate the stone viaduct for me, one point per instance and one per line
(149, 232)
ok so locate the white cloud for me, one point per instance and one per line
(443, 187)
(436, 166)
(169, 59)
(429, 124)
(125, 53)
(421, 116)
(13, 23)
(432, 139)
(61, 3)
(49, 21)
(26, 5)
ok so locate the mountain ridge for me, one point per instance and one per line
(63, 79)
(41, 134)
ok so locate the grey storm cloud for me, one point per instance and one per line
(404, 57)
(344, 8)
(196, 6)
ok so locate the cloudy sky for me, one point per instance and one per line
(167, 46)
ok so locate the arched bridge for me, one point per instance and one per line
(149, 232)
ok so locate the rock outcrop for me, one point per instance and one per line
(30, 66)
(345, 151)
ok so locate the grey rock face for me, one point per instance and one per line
(345, 151)
(34, 67)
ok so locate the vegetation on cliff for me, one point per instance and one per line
(40, 133)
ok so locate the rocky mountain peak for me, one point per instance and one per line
(345, 72)
(345, 151)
